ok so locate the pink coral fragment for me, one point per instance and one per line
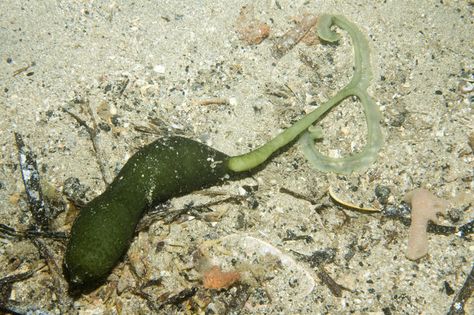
(425, 207)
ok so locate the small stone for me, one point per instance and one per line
(382, 193)
(455, 215)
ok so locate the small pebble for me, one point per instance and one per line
(382, 193)
(455, 215)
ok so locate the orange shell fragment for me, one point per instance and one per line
(215, 278)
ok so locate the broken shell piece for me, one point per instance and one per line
(348, 204)
(425, 207)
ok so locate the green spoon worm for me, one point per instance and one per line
(169, 167)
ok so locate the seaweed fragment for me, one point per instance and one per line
(162, 212)
(457, 307)
(42, 214)
(14, 278)
(60, 285)
(180, 297)
(297, 195)
(31, 179)
(333, 286)
(400, 214)
(319, 257)
(466, 229)
(292, 236)
(92, 132)
(7, 232)
(317, 260)
(6, 284)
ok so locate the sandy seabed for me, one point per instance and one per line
(140, 70)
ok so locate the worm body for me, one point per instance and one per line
(103, 230)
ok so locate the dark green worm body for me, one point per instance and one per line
(103, 230)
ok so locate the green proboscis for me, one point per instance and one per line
(357, 87)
